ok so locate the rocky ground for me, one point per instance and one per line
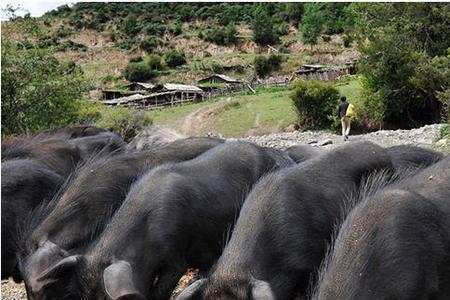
(423, 136)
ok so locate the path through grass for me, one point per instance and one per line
(269, 111)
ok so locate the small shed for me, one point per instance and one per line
(309, 69)
(351, 65)
(140, 86)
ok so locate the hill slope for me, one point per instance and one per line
(103, 37)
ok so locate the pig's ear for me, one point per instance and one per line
(118, 282)
(193, 291)
(261, 290)
(65, 267)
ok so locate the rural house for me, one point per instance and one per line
(219, 78)
(140, 86)
(221, 84)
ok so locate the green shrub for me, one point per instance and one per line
(47, 22)
(217, 68)
(442, 141)
(231, 34)
(326, 38)
(239, 69)
(136, 59)
(265, 65)
(274, 61)
(261, 65)
(25, 44)
(112, 78)
(175, 58)
(129, 26)
(215, 35)
(70, 45)
(444, 99)
(90, 111)
(175, 29)
(149, 44)
(315, 103)
(127, 44)
(154, 62)
(444, 131)
(282, 28)
(140, 71)
(284, 49)
(123, 121)
(155, 29)
(47, 41)
(63, 32)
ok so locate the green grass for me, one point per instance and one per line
(350, 87)
(256, 114)
(272, 105)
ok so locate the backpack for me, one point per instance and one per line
(350, 111)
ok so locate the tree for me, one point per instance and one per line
(312, 23)
(262, 26)
(230, 34)
(265, 65)
(130, 26)
(38, 91)
(404, 60)
(294, 11)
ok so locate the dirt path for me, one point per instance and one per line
(196, 120)
(254, 129)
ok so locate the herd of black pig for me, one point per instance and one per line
(87, 216)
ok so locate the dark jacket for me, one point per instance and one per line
(343, 109)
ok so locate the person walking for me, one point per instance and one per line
(343, 114)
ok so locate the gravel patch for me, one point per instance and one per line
(423, 137)
(13, 291)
